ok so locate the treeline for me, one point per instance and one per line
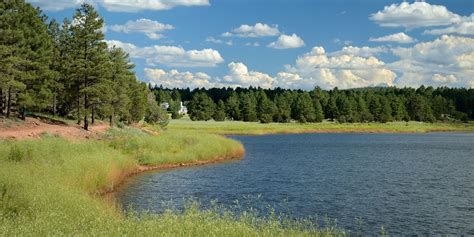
(66, 69)
(354, 105)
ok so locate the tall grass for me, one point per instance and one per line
(173, 147)
(51, 186)
(255, 128)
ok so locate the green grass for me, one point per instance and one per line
(254, 128)
(173, 147)
(51, 186)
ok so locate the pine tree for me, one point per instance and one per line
(233, 107)
(174, 108)
(386, 110)
(304, 109)
(264, 108)
(120, 77)
(331, 110)
(345, 109)
(363, 111)
(418, 109)
(283, 105)
(375, 107)
(318, 111)
(201, 107)
(25, 56)
(321, 96)
(89, 66)
(219, 114)
(138, 94)
(56, 63)
(248, 108)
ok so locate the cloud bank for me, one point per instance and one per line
(171, 56)
(148, 27)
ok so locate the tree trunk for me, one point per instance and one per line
(54, 103)
(78, 106)
(9, 101)
(23, 114)
(1, 101)
(111, 118)
(93, 115)
(86, 111)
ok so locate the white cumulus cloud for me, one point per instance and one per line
(414, 15)
(171, 56)
(149, 27)
(240, 76)
(360, 51)
(255, 31)
(237, 76)
(465, 27)
(287, 42)
(446, 61)
(401, 38)
(176, 79)
(317, 68)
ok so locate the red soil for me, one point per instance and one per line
(34, 128)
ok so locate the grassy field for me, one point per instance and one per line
(254, 128)
(52, 186)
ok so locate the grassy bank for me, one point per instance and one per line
(254, 128)
(51, 186)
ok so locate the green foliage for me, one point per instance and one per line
(138, 106)
(318, 111)
(25, 56)
(265, 108)
(248, 107)
(155, 114)
(283, 104)
(65, 69)
(201, 107)
(419, 109)
(220, 114)
(174, 107)
(233, 107)
(303, 109)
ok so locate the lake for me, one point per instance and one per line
(408, 183)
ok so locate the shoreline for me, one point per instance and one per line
(336, 131)
(229, 128)
(237, 154)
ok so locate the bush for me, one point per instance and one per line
(156, 115)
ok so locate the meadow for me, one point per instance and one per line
(53, 186)
(256, 128)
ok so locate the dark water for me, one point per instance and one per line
(409, 183)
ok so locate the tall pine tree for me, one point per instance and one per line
(89, 66)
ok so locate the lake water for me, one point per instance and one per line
(408, 183)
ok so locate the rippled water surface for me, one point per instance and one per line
(409, 183)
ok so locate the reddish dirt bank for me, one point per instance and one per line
(34, 128)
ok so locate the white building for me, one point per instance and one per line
(182, 108)
(165, 105)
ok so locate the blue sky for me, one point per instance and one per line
(290, 43)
